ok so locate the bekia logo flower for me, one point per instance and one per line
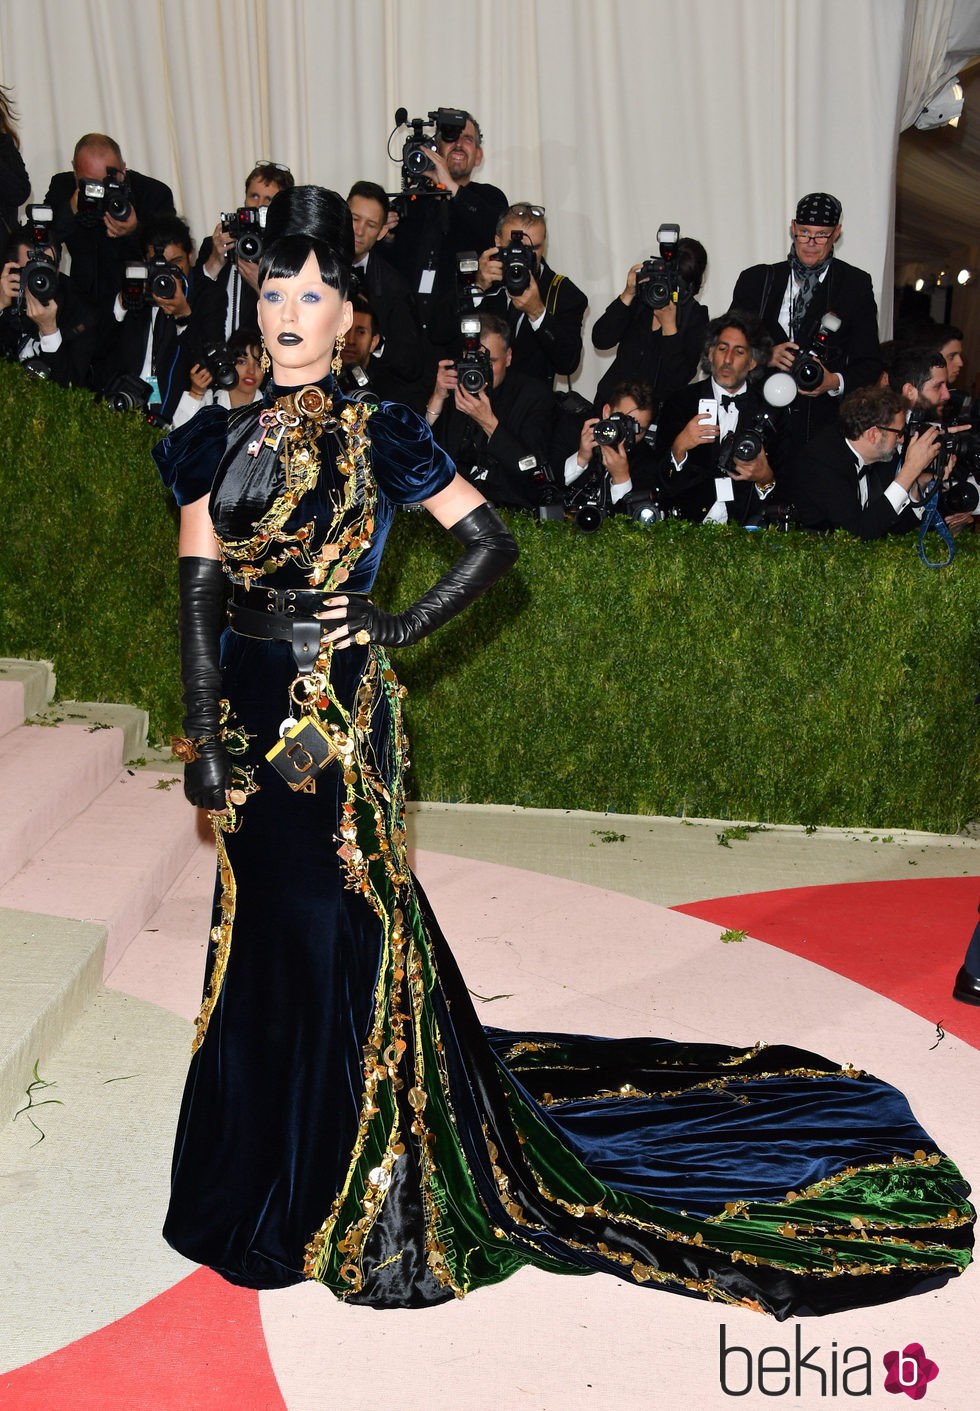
(910, 1371)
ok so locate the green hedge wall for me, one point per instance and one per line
(678, 669)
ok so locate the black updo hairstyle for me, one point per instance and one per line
(308, 219)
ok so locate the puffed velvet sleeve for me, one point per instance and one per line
(407, 463)
(189, 457)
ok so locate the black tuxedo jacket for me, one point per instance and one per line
(691, 489)
(525, 410)
(845, 291)
(826, 494)
(97, 260)
(397, 370)
(211, 299)
(174, 353)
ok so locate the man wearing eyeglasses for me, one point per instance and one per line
(545, 317)
(792, 297)
(229, 291)
(865, 475)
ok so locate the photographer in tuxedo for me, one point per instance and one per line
(852, 476)
(156, 340)
(698, 432)
(610, 447)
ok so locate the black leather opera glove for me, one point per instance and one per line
(207, 765)
(488, 552)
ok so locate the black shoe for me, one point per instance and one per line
(966, 987)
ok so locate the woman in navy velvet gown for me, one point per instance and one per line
(346, 1117)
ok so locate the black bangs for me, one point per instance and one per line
(285, 258)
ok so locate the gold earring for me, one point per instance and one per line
(265, 362)
(337, 366)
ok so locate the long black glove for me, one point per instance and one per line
(202, 593)
(489, 551)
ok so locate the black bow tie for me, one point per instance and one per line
(727, 401)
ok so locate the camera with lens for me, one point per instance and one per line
(246, 227)
(518, 263)
(809, 364)
(220, 364)
(956, 466)
(128, 393)
(39, 275)
(587, 504)
(616, 429)
(472, 366)
(958, 493)
(165, 277)
(110, 197)
(659, 282)
(446, 123)
(745, 443)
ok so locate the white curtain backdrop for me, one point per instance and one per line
(616, 116)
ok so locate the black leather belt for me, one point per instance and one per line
(283, 615)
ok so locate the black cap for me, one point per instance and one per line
(818, 209)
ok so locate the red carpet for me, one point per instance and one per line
(198, 1345)
(904, 940)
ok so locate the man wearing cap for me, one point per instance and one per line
(792, 297)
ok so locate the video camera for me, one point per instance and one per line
(246, 226)
(810, 363)
(658, 281)
(110, 197)
(446, 123)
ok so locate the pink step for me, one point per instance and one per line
(11, 705)
(47, 775)
(165, 963)
(115, 860)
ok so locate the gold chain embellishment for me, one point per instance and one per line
(295, 424)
